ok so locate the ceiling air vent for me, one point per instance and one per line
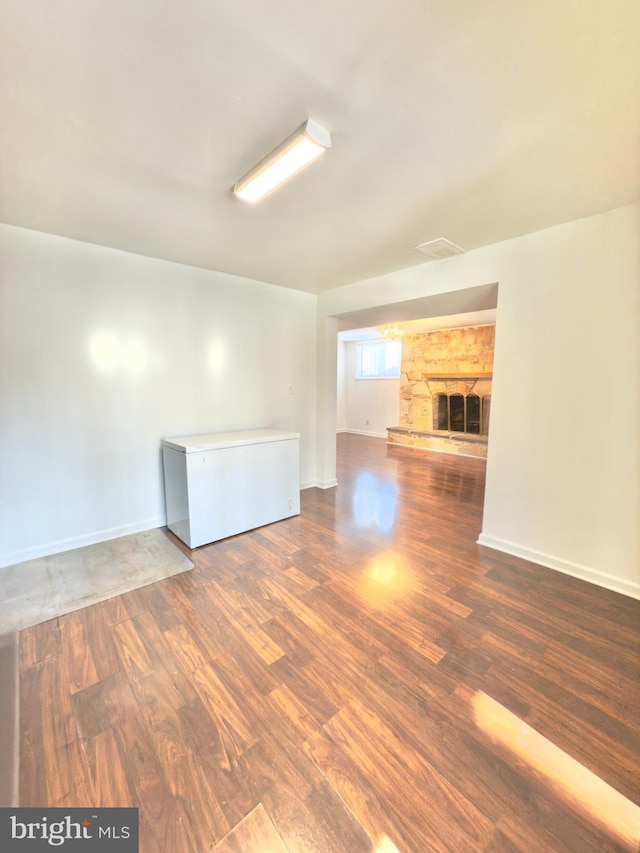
(438, 249)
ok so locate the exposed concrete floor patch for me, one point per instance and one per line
(38, 590)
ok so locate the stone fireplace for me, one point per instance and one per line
(445, 390)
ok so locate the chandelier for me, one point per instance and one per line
(392, 331)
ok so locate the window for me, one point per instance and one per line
(379, 360)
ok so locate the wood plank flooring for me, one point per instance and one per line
(363, 677)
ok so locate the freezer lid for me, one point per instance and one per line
(220, 440)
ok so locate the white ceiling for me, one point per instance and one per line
(126, 124)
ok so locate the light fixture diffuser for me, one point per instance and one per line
(303, 146)
(437, 250)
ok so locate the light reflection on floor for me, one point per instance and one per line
(385, 845)
(384, 578)
(375, 502)
(582, 789)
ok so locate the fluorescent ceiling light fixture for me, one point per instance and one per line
(302, 147)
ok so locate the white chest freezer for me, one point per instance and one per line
(220, 484)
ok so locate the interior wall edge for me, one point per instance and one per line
(585, 573)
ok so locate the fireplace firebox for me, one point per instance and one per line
(468, 413)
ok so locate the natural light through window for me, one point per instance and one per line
(379, 360)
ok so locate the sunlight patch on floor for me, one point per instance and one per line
(384, 578)
(614, 813)
(385, 845)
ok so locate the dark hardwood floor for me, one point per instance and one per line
(363, 677)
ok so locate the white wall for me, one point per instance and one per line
(341, 403)
(369, 405)
(102, 353)
(563, 489)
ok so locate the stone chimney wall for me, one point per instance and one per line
(446, 352)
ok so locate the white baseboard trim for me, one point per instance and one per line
(48, 548)
(319, 484)
(603, 579)
(326, 484)
(365, 432)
